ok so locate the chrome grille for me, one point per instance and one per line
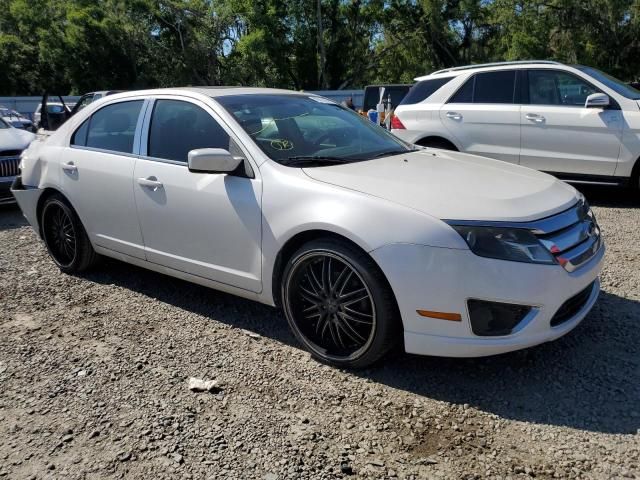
(572, 236)
(9, 166)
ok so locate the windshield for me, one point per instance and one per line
(3, 124)
(289, 127)
(613, 83)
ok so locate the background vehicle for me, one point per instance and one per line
(270, 195)
(12, 142)
(91, 97)
(59, 112)
(575, 122)
(15, 119)
(373, 94)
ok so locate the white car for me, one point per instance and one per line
(12, 142)
(15, 119)
(575, 122)
(57, 111)
(290, 199)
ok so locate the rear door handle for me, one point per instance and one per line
(69, 167)
(454, 115)
(534, 117)
(150, 182)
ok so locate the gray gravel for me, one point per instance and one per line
(94, 384)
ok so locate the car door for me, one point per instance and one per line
(559, 134)
(484, 115)
(97, 176)
(84, 101)
(204, 224)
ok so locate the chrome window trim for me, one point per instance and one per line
(211, 111)
(143, 141)
(102, 150)
(163, 160)
(137, 138)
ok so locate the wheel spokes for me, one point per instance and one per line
(60, 234)
(336, 311)
(353, 297)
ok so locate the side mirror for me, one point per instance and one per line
(212, 160)
(597, 100)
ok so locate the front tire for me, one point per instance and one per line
(339, 305)
(65, 237)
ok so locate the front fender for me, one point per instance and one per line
(300, 204)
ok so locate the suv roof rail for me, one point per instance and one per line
(495, 64)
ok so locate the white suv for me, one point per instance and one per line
(575, 122)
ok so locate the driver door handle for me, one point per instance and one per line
(69, 167)
(454, 115)
(534, 117)
(150, 182)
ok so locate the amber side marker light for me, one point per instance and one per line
(453, 317)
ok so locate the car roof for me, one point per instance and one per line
(212, 91)
(455, 71)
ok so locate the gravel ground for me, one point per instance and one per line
(94, 384)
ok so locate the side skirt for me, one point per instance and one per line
(586, 179)
(239, 292)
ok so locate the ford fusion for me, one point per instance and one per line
(286, 198)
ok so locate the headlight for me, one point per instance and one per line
(505, 244)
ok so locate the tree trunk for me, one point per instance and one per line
(322, 80)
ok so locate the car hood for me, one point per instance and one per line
(15, 139)
(452, 185)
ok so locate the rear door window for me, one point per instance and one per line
(113, 127)
(488, 88)
(424, 89)
(495, 87)
(178, 127)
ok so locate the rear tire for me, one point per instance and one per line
(339, 304)
(65, 237)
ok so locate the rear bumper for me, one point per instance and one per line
(27, 198)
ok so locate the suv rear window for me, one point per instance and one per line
(488, 87)
(372, 95)
(424, 89)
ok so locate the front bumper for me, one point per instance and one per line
(27, 198)
(442, 280)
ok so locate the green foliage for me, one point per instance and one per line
(73, 46)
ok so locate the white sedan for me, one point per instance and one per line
(292, 200)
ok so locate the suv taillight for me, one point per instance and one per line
(396, 124)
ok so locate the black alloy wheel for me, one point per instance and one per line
(338, 305)
(59, 234)
(65, 237)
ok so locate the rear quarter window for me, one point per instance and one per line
(424, 89)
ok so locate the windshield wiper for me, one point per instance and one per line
(392, 152)
(313, 158)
